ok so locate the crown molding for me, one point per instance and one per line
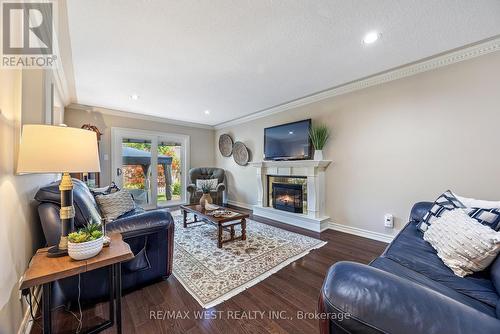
(427, 64)
(119, 113)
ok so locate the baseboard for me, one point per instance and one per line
(337, 227)
(241, 205)
(27, 323)
(361, 232)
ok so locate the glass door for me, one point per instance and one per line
(152, 166)
(170, 181)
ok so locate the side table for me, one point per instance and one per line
(45, 270)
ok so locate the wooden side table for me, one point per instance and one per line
(44, 271)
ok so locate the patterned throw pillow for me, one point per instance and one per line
(446, 202)
(116, 204)
(464, 245)
(213, 183)
(488, 217)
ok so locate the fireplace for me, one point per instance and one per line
(287, 197)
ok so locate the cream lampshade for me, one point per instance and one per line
(56, 149)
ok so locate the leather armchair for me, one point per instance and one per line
(206, 173)
(150, 235)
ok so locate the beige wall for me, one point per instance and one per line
(21, 97)
(201, 140)
(396, 143)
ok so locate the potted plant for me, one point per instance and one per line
(319, 135)
(206, 187)
(86, 242)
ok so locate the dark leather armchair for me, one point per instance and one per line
(206, 173)
(150, 235)
(408, 289)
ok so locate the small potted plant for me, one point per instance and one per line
(206, 187)
(86, 242)
(319, 135)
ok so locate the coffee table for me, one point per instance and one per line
(222, 223)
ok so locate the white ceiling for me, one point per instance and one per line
(235, 58)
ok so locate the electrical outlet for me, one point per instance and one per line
(389, 220)
(20, 293)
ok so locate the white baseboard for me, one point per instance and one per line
(241, 205)
(337, 227)
(27, 323)
(361, 232)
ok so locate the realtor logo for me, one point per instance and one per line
(27, 34)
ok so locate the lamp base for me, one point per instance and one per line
(56, 252)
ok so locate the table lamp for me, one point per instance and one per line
(59, 149)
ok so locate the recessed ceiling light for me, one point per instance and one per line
(371, 37)
(290, 132)
(134, 97)
(207, 112)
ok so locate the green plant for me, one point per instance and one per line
(92, 231)
(206, 187)
(319, 135)
(176, 188)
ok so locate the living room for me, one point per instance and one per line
(250, 167)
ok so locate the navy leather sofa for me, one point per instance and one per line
(408, 289)
(150, 235)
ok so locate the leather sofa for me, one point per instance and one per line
(206, 173)
(408, 289)
(150, 235)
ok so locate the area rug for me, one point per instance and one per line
(213, 275)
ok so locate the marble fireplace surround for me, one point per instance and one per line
(315, 218)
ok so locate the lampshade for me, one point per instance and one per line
(56, 149)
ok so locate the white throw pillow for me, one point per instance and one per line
(478, 203)
(116, 204)
(464, 245)
(213, 183)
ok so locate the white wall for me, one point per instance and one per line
(396, 143)
(201, 140)
(21, 97)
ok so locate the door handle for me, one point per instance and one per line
(118, 171)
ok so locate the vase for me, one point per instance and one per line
(85, 250)
(318, 154)
(205, 199)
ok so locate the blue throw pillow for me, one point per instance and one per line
(446, 202)
(488, 217)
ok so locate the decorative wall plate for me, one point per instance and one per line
(240, 153)
(225, 145)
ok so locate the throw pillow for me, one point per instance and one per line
(112, 188)
(488, 217)
(464, 245)
(446, 202)
(115, 204)
(478, 203)
(213, 183)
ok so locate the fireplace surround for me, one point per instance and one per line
(312, 174)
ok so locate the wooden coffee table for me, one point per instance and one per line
(222, 223)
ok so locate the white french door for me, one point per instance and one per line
(151, 165)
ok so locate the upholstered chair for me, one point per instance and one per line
(206, 173)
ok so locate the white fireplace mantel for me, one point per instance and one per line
(315, 218)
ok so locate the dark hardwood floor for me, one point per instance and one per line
(271, 306)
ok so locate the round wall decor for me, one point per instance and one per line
(225, 145)
(240, 153)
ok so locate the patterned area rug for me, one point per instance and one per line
(213, 275)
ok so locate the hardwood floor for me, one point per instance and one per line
(271, 306)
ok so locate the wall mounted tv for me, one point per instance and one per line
(288, 141)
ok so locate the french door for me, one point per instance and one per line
(151, 165)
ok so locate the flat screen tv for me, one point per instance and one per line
(288, 141)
